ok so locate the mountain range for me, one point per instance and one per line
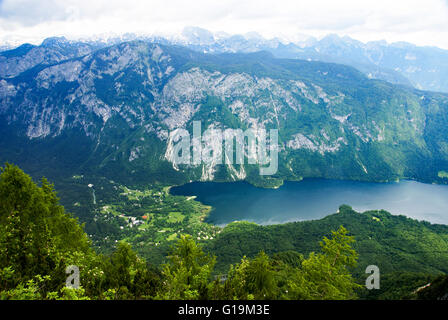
(402, 63)
(107, 109)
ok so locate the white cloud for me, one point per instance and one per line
(416, 21)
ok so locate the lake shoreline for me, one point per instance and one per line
(263, 204)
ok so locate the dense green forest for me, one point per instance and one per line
(415, 246)
(39, 240)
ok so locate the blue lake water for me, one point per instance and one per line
(312, 199)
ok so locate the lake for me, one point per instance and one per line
(312, 199)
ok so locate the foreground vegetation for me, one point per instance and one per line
(38, 240)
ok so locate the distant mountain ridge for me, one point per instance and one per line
(402, 63)
(425, 68)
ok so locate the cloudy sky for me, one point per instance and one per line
(423, 22)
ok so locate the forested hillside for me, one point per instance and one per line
(38, 240)
(416, 246)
